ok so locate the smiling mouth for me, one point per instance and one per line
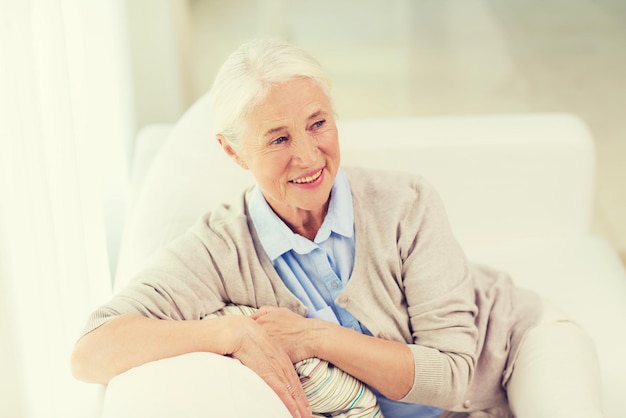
(308, 179)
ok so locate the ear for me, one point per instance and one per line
(230, 151)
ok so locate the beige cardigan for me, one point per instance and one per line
(411, 282)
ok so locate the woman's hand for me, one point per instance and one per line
(292, 332)
(388, 366)
(256, 350)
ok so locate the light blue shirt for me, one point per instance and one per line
(317, 271)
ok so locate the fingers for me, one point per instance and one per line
(289, 388)
(284, 381)
(261, 354)
(263, 310)
(294, 398)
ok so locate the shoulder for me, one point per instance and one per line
(226, 223)
(383, 180)
(387, 189)
(222, 233)
(399, 205)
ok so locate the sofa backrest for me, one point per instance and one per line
(502, 177)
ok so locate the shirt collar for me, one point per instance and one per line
(340, 216)
(276, 237)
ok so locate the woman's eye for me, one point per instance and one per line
(319, 124)
(279, 140)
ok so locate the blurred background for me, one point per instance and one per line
(78, 80)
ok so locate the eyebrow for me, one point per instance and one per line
(313, 115)
(272, 131)
(317, 114)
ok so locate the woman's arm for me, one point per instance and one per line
(387, 366)
(132, 340)
(437, 367)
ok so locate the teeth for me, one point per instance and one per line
(309, 179)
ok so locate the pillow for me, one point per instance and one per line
(330, 390)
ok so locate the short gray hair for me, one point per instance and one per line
(246, 77)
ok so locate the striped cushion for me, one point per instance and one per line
(331, 391)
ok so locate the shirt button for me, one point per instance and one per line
(334, 284)
(467, 404)
(343, 299)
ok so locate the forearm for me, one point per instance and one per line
(131, 340)
(388, 366)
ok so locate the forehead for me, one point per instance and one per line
(290, 102)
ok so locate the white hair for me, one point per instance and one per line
(246, 77)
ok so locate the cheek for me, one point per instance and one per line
(272, 166)
(329, 143)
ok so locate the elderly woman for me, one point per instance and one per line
(352, 266)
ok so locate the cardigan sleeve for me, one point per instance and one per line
(440, 301)
(182, 282)
(214, 263)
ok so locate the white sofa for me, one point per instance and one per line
(518, 189)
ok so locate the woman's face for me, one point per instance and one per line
(291, 147)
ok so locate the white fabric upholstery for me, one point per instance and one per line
(502, 177)
(561, 383)
(189, 174)
(196, 385)
(518, 189)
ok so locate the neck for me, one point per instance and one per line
(307, 228)
(305, 222)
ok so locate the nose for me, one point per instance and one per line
(305, 150)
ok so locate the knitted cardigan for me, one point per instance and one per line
(411, 282)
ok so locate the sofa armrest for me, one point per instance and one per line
(195, 385)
